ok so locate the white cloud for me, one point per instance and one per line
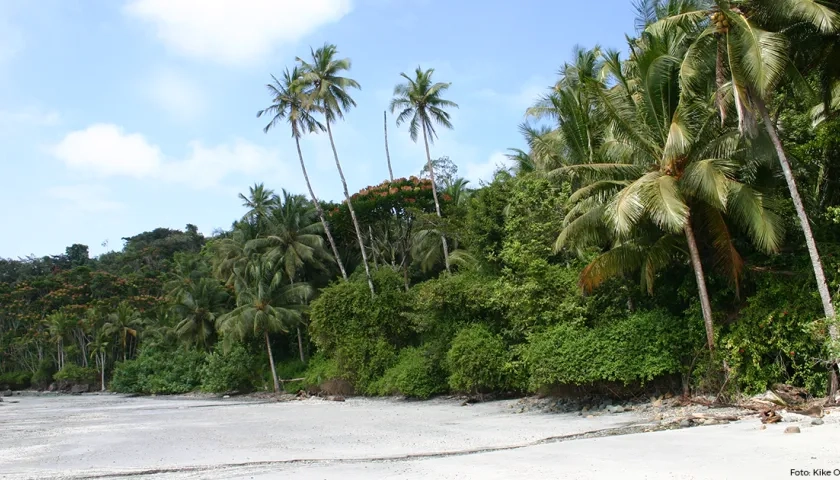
(478, 171)
(176, 94)
(106, 150)
(207, 166)
(29, 116)
(520, 99)
(234, 32)
(84, 198)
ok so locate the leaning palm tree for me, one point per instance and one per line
(265, 305)
(746, 61)
(670, 171)
(328, 89)
(421, 104)
(290, 103)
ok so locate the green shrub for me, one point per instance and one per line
(770, 341)
(76, 374)
(644, 346)
(43, 377)
(159, 372)
(477, 361)
(15, 380)
(362, 333)
(417, 374)
(319, 370)
(234, 370)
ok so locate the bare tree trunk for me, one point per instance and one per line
(102, 370)
(373, 249)
(352, 211)
(300, 345)
(705, 304)
(435, 195)
(320, 212)
(271, 362)
(816, 262)
(387, 152)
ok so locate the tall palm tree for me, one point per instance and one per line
(328, 89)
(387, 152)
(265, 305)
(291, 103)
(746, 61)
(421, 104)
(669, 169)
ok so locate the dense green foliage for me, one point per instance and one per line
(477, 361)
(636, 349)
(159, 372)
(646, 223)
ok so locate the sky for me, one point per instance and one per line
(121, 116)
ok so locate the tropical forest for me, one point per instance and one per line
(670, 221)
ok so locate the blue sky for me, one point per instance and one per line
(120, 116)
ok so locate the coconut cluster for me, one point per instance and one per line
(721, 22)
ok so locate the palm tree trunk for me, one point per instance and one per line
(720, 78)
(435, 195)
(705, 304)
(387, 152)
(300, 345)
(320, 212)
(352, 211)
(816, 262)
(271, 362)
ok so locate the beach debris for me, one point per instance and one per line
(770, 416)
(793, 429)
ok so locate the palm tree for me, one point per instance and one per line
(124, 323)
(421, 104)
(668, 169)
(258, 202)
(265, 305)
(293, 241)
(98, 348)
(747, 62)
(59, 325)
(293, 105)
(197, 308)
(328, 89)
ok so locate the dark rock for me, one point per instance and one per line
(685, 423)
(80, 388)
(6, 393)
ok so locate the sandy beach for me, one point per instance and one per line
(112, 436)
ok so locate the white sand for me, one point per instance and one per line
(113, 436)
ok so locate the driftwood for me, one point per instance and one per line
(290, 380)
(723, 418)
